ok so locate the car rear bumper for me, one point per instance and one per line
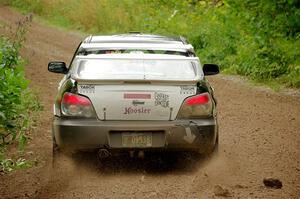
(197, 135)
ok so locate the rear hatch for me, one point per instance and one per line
(135, 87)
(136, 102)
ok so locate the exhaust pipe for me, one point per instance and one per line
(103, 153)
(141, 154)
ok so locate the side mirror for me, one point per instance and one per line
(57, 67)
(210, 69)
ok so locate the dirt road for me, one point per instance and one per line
(259, 137)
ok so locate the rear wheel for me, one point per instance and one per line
(216, 147)
(55, 153)
(212, 150)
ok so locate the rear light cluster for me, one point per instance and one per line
(198, 106)
(76, 106)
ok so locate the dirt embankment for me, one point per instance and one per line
(259, 137)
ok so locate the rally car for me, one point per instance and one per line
(135, 92)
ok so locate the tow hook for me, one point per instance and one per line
(103, 153)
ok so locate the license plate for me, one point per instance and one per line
(136, 140)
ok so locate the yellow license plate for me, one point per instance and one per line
(131, 140)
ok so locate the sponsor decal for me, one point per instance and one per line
(137, 96)
(87, 89)
(187, 90)
(161, 99)
(134, 110)
(136, 102)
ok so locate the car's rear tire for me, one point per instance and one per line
(212, 150)
(55, 153)
(216, 147)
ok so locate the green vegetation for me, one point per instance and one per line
(255, 38)
(17, 102)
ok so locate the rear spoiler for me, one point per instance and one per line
(136, 57)
(136, 46)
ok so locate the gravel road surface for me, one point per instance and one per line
(259, 138)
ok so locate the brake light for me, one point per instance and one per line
(198, 106)
(76, 105)
(197, 100)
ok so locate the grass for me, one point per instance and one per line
(224, 32)
(18, 104)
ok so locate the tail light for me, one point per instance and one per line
(197, 106)
(77, 106)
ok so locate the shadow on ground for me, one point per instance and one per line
(152, 163)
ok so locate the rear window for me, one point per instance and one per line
(137, 69)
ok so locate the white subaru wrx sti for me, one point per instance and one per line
(135, 92)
